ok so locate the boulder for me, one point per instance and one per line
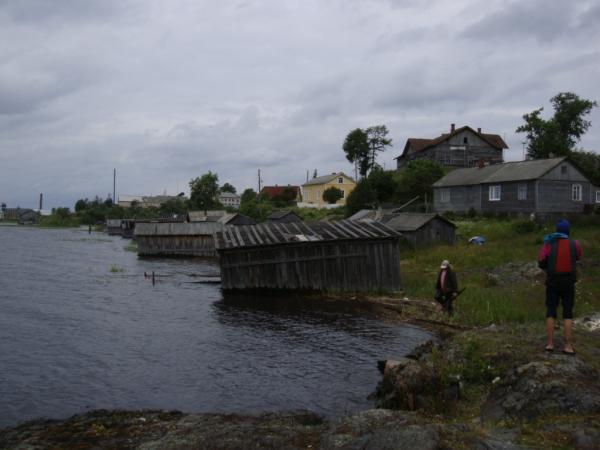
(558, 383)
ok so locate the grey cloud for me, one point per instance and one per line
(545, 21)
(32, 11)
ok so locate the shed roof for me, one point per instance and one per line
(280, 214)
(229, 195)
(276, 191)
(411, 221)
(206, 216)
(177, 229)
(284, 233)
(497, 173)
(326, 179)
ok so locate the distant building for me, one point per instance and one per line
(155, 201)
(461, 147)
(312, 190)
(541, 186)
(220, 216)
(229, 199)
(279, 192)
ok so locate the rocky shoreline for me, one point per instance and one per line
(488, 388)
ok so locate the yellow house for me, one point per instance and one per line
(312, 190)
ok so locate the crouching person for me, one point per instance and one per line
(446, 287)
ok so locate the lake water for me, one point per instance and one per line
(81, 328)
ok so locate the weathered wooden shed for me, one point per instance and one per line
(176, 239)
(335, 256)
(421, 229)
(283, 217)
(221, 216)
(113, 227)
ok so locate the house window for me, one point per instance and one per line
(465, 140)
(445, 195)
(563, 169)
(576, 192)
(340, 180)
(522, 193)
(495, 192)
(597, 196)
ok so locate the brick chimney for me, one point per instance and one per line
(452, 127)
(478, 130)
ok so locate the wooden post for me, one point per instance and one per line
(153, 278)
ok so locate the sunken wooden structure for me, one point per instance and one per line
(283, 217)
(336, 256)
(177, 239)
(113, 227)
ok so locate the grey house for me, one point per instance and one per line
(544, 186)
(462, 147)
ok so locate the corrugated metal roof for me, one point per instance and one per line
(410, 221)
(497, 173)
(326, 178)
(286, 233)
(280, 214)
(177, 229)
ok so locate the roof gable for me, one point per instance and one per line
(420, 144)
(327, 178)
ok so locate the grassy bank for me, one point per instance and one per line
(495, 290)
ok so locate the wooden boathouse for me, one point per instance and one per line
(176, 239)
(336, 256)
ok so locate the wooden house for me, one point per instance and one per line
(335, 256)
(283, 217)
(461, 147)
(312, 190)
(541, 186)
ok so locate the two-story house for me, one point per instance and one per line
(312, 190)
(462, 147)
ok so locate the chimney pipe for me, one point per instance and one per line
(478, 130)
(452, 128)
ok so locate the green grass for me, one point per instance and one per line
(484, 301)
(116, 269)
(131, 247)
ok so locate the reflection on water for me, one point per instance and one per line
(83, 328)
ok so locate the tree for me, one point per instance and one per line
(255, 209)
(363, 196)
(173, 206)
(589, 164)
(559, 134)
(248, 195)
(356, 148)
(286, 198)
(377, 140)
(383, 183)
(228, 188)
(332, 194)
(81, 204)
(418, 177)
(204, 191)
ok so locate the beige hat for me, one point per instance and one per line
(445, 264)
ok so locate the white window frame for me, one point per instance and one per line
(522, 191)
(495, 193)
(445, 195)
(576, 192)
(597, 196)
(340, 180)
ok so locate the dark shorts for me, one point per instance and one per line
(560, 293)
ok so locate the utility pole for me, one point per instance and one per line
(114, 199)
(524, 142)
(259, 182)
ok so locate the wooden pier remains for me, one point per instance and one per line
(329, 255)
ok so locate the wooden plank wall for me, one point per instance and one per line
(352, 265)
(187, 245)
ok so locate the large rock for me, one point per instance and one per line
(558, 383)
(381, 430)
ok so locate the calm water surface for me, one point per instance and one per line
(81, 328)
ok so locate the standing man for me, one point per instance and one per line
(446, 287)
(558, 258)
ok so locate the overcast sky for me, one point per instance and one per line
(164, 91)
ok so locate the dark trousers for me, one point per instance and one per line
(446, 301)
